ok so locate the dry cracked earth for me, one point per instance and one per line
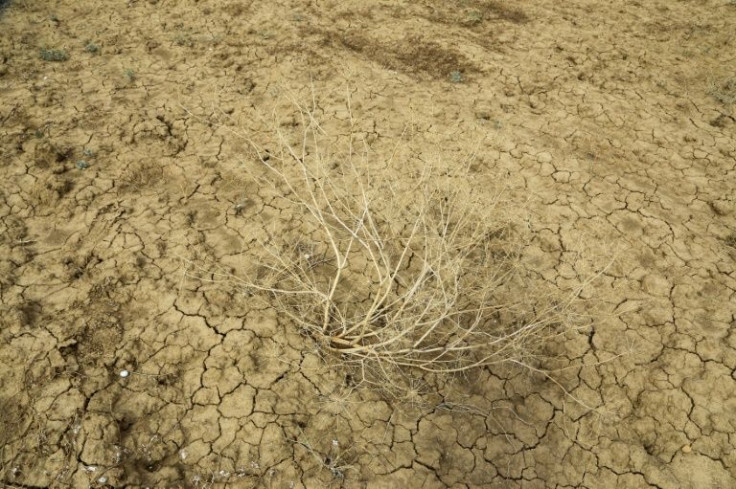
(126, 170)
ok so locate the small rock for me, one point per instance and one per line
(687, 449)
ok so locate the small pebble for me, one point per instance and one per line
(687, 449)
(124, 373)
(102, 480)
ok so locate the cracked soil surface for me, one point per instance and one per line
(123, 170)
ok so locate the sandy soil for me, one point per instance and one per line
(124, 168)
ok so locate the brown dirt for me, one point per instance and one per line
(611, 123)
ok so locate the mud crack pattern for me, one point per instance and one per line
(122, 178)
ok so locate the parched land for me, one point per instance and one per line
(134, 200)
